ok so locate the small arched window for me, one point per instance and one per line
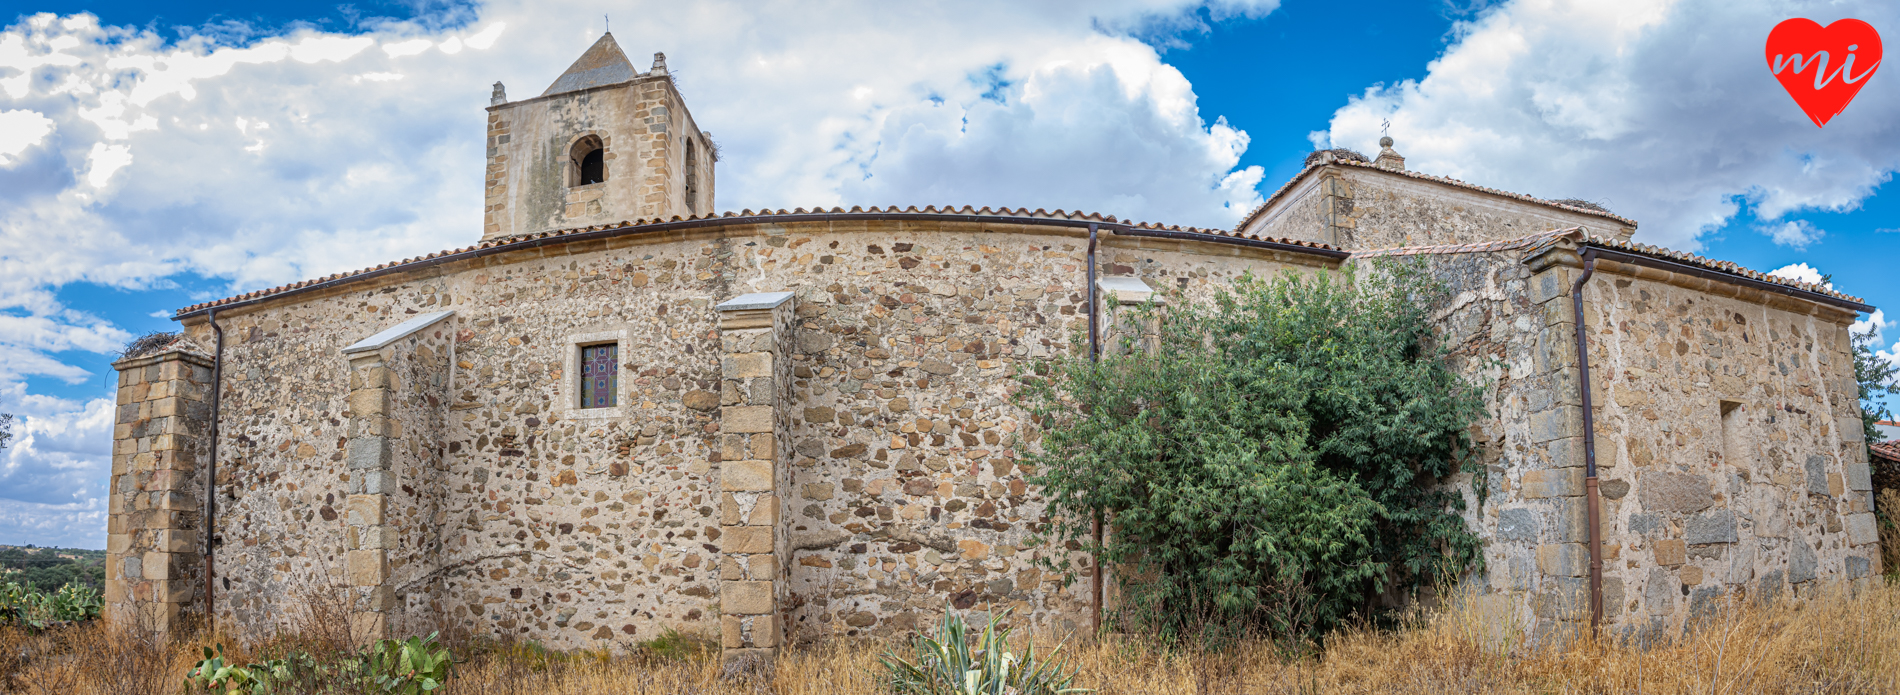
(587, 163)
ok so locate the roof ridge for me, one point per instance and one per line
(1282, 190)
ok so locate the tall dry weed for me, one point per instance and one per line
(1833, 640)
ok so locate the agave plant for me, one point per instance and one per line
(950, 662)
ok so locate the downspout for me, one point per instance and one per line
(1591, 497)
(1095, 353)
(211, 469)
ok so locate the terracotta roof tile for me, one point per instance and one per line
(1887, 450)
(1277, 194)
(742, 217)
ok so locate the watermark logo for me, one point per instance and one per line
(1823, 67)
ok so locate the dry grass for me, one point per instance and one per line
(1835, 642)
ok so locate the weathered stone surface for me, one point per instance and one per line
(758, 476)
(1862, 529)
(1518, 525)
(746, 539)
(1659, 592)
(1554, 482)
(1816, 467)
(1563, 559)
(1802, 562)
(747, 419)
(1674, 492)
(701, 400)
(1670, 552)
(1859, 476)
(746, 598)
(1717, 526)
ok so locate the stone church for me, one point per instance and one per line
(620, 412)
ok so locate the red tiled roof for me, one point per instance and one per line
(1887, 450)
(1578, 235)
(1446, 180)
(1001, 215)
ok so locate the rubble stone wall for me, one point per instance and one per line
(571, 526)
(1727, 442)
(1729, 439)
(1355, 208)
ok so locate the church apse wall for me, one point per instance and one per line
(508, 509)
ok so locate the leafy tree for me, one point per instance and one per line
(1275, 463)
(1876, 377)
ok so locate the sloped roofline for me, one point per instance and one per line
(1020, 216)
(1442, 180)
(1644, 254)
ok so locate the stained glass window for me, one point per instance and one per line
(599, 376)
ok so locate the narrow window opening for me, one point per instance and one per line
(599, 376)
(692, 177)
(1732, 446)
(587, 162)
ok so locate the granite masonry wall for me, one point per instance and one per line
(1727, 442)
(1355, 208)
(533, 517)
(452, 479)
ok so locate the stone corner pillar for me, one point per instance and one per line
(755, 332)
(155, 532)
(366, 562)
(374, 430)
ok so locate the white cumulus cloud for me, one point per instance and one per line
(20, 130)
(1802, 272)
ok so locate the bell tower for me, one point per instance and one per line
(604, 143)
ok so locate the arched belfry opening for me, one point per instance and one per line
(587, 162)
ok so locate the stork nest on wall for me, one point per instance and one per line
(1338, 153)
(148, 344)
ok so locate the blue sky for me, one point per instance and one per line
(214, 148)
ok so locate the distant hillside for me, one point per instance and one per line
(47, 569)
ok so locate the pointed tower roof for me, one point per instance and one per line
(601, 65)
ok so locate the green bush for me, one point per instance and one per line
(1274, 463)
(950, 662)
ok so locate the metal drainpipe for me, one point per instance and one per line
(211, 469)
(1589, 441)
(1095, 354)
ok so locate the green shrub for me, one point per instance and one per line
(23, 605)
(1273, 463)
(950, 662)
(395, 667)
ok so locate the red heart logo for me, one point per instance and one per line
(1823, 67)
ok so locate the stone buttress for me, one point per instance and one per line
(160, 443)
(397, 385)
(755, 333)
